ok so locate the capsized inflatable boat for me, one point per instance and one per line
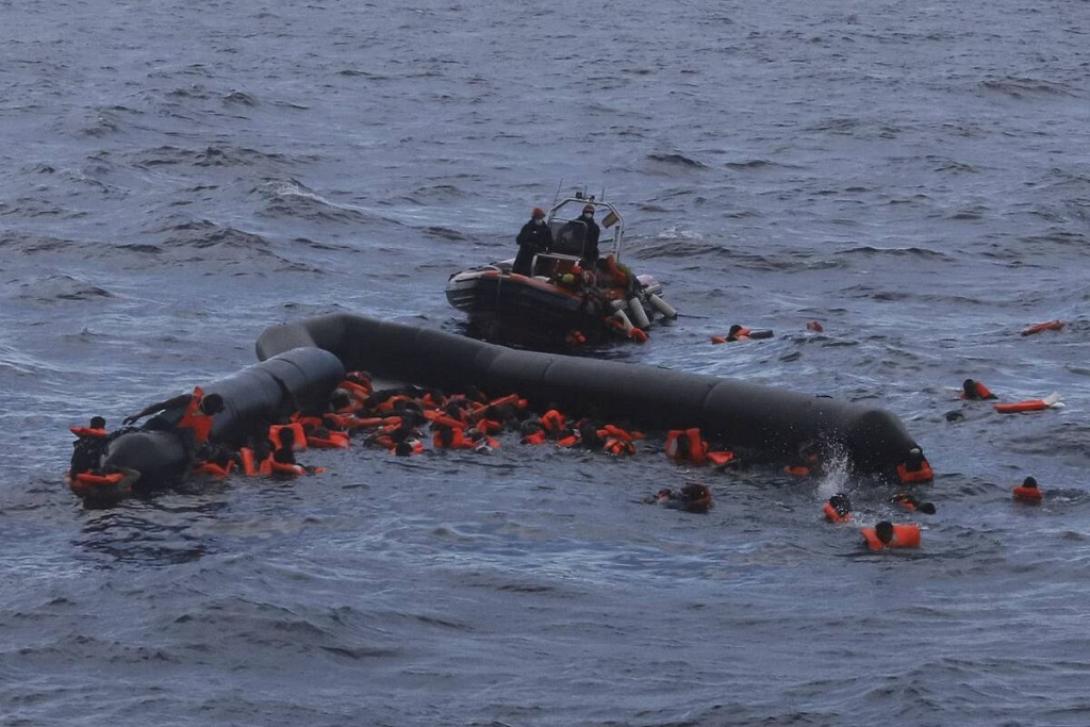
(773, 421)
(253, 398)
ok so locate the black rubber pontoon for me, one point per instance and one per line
(253, 398)
(744, 415)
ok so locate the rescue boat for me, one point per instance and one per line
(560, 297)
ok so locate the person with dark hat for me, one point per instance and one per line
(533, 238)
(590, 245)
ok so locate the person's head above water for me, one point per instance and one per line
(884, 531)
(98, 423)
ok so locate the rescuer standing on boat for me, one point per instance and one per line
(534, 237)
(590, 245)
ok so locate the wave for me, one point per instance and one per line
(676, 159)
(1023, 87)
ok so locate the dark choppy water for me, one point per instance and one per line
(176, 176)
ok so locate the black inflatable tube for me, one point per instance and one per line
(742, 414)
(255, 397)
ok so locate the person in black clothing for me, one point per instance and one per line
(534, 237)
(590, 244)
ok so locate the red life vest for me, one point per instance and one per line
(300, 442)
(698, 448)
(1022, 406)
(457, 439)
(196, 420)
(553, 421)
(720, 459)
(923, 474)
(904, 536)
(537, 437)
(251, 468)
(1031, 495)
(619, 447)
(1046, 326)
(88, 432)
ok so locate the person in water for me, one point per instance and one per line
(534, 237)
(88, 449)
(590, 244)
(186, 413)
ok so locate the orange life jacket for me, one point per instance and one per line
(91, 479)
(797, 470)
(553, 421)
(1032, 495)
(619, 447)
(88, 432)
(457, 439)
(905, 535)
(718, 339)
(537, 437)
(437, 417)
(300, 442)
(358, 392)
(1046, 326)
(388, 406)
(308, 422)
(698, 448)
(638, 335)
(211, 468)
(720, 459)
(335, 440)
(569, 441)
(196, 420)
(923, 474)
(1021, 406)
(981, 391)
(250, 468)
(833, 516)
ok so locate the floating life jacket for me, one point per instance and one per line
(196, 420)
(797, 470)
(358, 392)
(905, 535)
(694, 449)
(1046, 326)
(1018, 407)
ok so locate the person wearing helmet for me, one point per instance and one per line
(534, 237)
(590, 244)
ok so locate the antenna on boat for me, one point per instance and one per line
(557, 195)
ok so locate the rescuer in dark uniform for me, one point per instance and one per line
(534, 237)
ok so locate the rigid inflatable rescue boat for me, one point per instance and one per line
(560, 295)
